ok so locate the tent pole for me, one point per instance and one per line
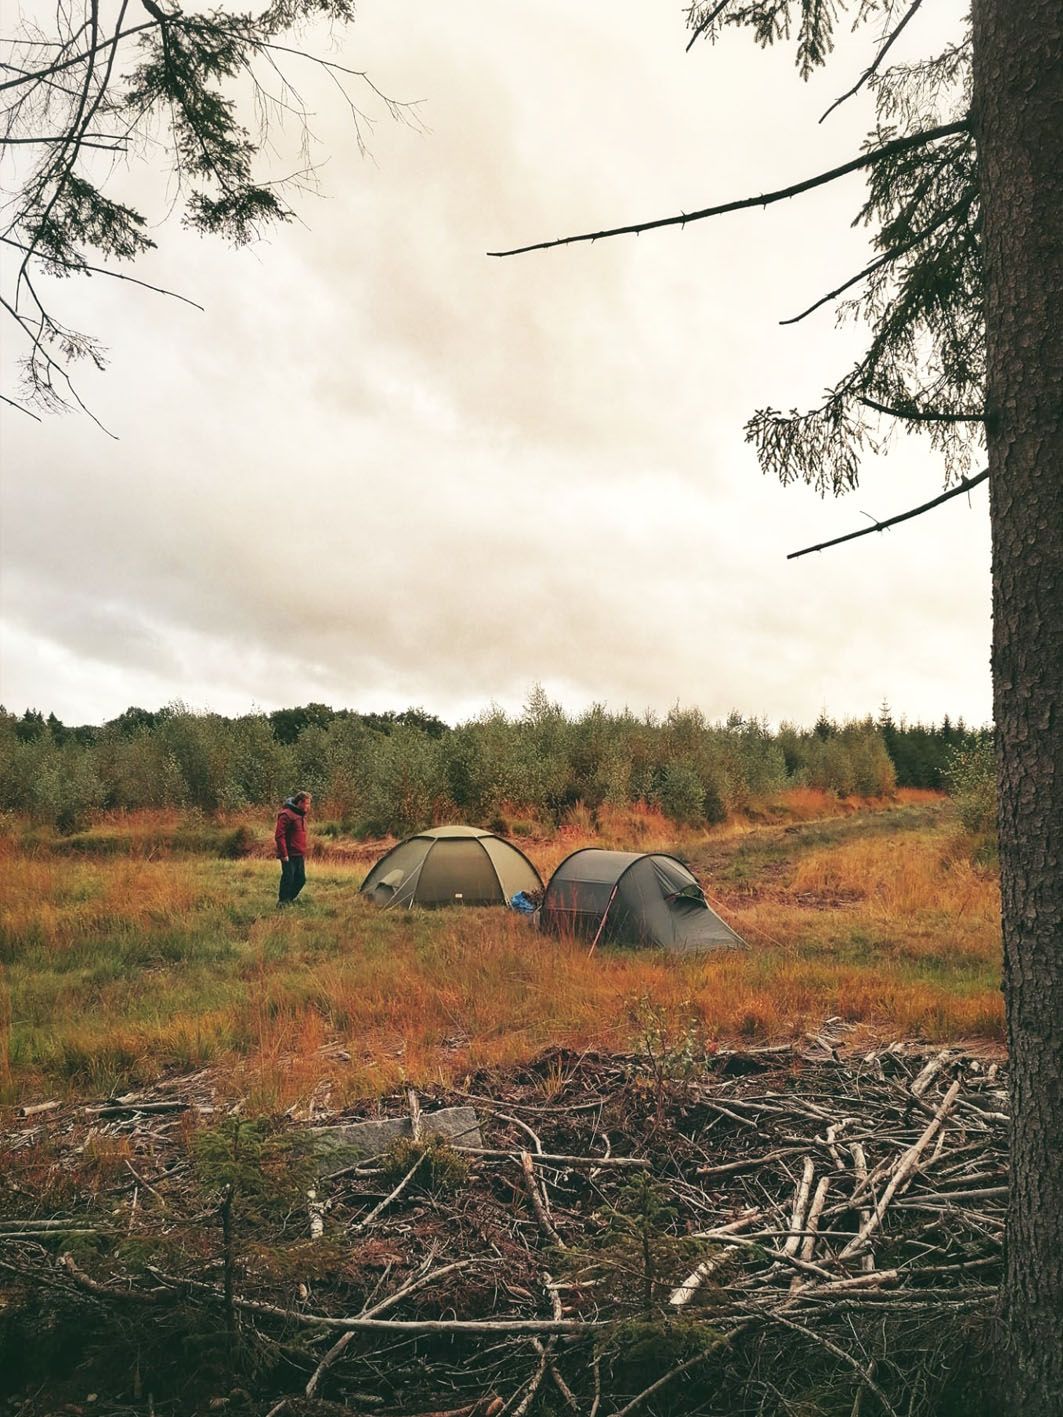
(605, 914)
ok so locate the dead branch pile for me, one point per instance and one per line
(744, 1233)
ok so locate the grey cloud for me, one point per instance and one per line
(382, 469)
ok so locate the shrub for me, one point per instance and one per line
(403, 782)
(681, 794)
(972, 781)
(441, 1171)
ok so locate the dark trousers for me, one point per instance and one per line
(293, 878)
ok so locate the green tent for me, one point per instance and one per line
(632, 898)
(451, 866)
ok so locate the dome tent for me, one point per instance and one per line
(633, 898)
(453, 865)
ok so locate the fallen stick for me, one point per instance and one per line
(683, 1293)
(489, 1406)
(926, 1077)
(109, 1291)
(867, 1261)
(141, 1181)
(726, 1112)
(748, 1163)
(596, 1374)
(800, 1206)
(832, 1146)
(680, 1369)
(34, 1109)
(780, 1256)
(362, 1324)
(811, 1230)
(117, 1109)
(61, 1225)
(945, 1196)
(50, 1234)
(546, 1350)
(567, 1395)
(516, 1122)
(394, 1195)
(639, 1163)
(893, 1304)
(904, 1169)
(533, 1386)
(532, 1187)
(531, 1106)
(733, 1227)
(811, 1222)
(338, 1348)
(873, 1280)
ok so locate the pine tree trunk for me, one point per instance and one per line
(1018, 116)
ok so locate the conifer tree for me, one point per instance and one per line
(963, 302)
(194, 93)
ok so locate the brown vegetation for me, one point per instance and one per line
(126, 956)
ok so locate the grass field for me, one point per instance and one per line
(147, 945)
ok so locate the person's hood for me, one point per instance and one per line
(291, 803)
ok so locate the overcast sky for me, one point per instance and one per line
(382, 469)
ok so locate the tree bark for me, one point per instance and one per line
(1018, 122)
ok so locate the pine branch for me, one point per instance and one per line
(884, 260)
(713, 14)
(856, 164)
(964, 485)
(873, 66)
(914, 415)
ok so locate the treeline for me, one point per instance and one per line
(394, 772)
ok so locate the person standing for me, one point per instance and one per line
(290, 837)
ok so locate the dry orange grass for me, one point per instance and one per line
(644, 828)
(56, 902)
(117, 969)
(913, 877)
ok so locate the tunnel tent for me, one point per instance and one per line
(452, 865)
(633, 898)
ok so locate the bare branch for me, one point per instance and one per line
(56, 138)
(345, 1340)
(856, 164)
(360, 1324)
(873, 66)
(14, 403)
(55, 68)
(914, 415)
(103, 271)
(964, 485)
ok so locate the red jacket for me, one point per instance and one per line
(290, 835)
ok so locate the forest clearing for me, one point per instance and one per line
(144, 946)
(778, 1170)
